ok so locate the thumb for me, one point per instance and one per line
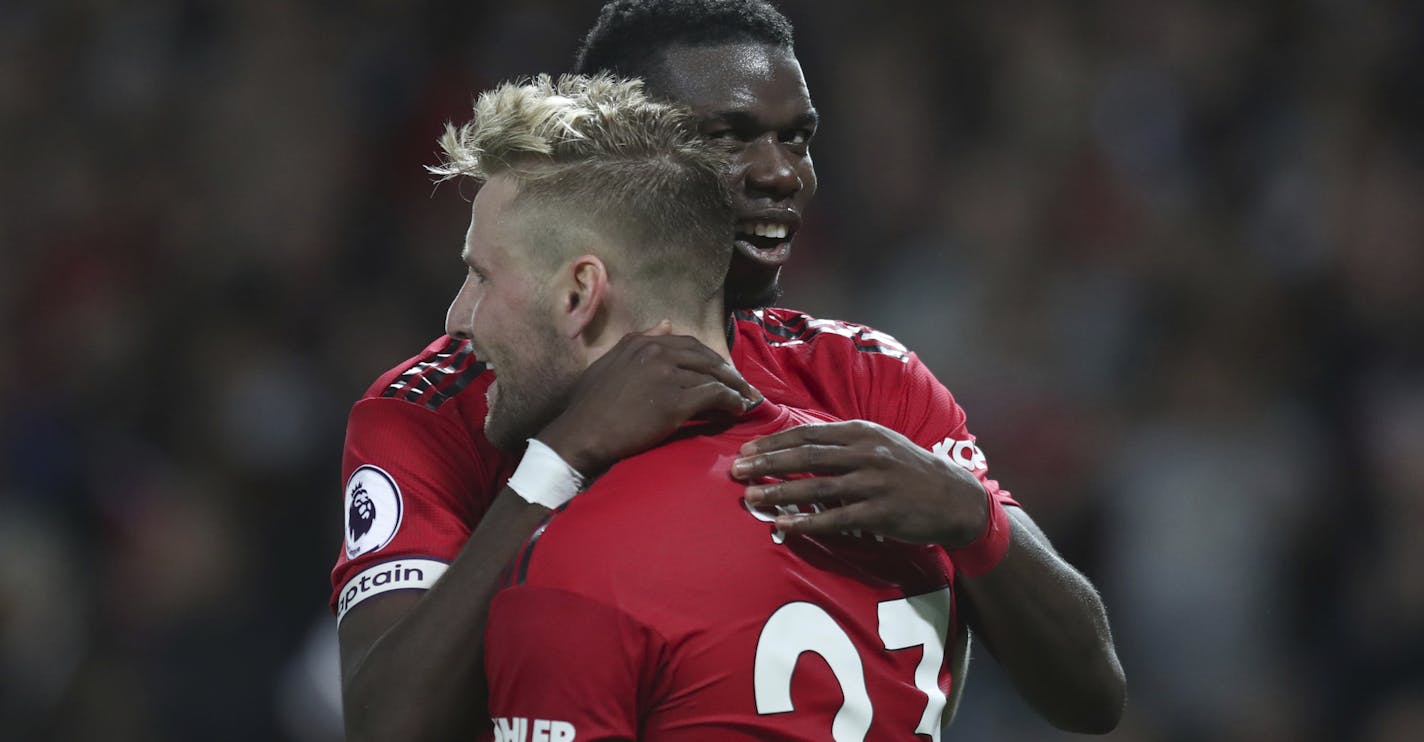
(661, 328)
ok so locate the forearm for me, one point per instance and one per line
(424, 678)
(1046, 625)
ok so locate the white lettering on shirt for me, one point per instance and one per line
(522, 729)
(962, 453)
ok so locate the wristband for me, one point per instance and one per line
(984, 553)
(544, 478)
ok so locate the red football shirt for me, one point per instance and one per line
(658, 606)
(420, 473)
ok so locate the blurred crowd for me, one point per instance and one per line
(1169, 255)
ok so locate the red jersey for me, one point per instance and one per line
(659, 606)
(420, 473)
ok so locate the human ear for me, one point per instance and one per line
(582, 293)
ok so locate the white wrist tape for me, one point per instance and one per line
(544, 478)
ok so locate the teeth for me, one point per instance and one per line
(764, 229)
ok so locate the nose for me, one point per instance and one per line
(459, 318)
(770, 170)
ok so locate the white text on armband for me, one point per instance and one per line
(398, 574)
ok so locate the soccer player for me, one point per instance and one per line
(425, 488)
(657, 605)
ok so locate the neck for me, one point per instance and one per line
(711, 334)
(709, 329)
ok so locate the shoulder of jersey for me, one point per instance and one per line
(445, 368)
(788, 328)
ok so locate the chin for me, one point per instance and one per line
(752, 289)
(514, 417)
(506, 437)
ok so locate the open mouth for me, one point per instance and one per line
(769, 240)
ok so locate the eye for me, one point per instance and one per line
(798, 138)
(726, 140)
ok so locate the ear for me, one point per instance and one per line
(582, 291)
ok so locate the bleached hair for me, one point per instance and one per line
(541, 121)
(596, 152)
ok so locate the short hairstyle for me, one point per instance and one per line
(594, 152)
(630, 36)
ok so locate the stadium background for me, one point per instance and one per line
(1169, 254)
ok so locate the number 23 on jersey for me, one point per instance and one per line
(916, 621)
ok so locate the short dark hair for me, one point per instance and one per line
(630, 36)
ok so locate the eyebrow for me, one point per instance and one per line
(743, 120)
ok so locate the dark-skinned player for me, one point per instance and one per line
(906, 467)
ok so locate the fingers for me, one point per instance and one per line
(658, 344)
(725, 373)
(663, 327)
(859, 516)
(688, 353)
(650, 343)
(712, 397)
(804, 459)
(695, 392)
(685, 379)
(828, 434)
(834, 490)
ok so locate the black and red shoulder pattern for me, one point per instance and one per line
(785, 327)
(432, 378)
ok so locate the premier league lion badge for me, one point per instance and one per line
(373, 510)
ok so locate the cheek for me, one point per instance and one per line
(497, 315)
(807, 171)
(736, 172)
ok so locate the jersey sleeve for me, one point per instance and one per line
(857, 373)
(907, 398)
(562, 666)
(413, 494)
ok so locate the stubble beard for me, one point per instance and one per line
(528, 397)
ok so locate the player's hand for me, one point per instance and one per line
(869, 478)
(638, 394)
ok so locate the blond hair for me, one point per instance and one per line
(595, 152)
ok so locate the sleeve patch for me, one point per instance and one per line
(373, 510)
(398, 574)
(961, 452)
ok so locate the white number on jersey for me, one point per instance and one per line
(917, 621)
